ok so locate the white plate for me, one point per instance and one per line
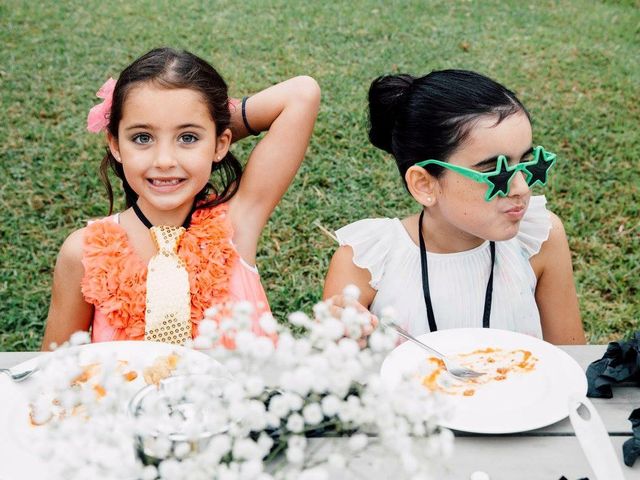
(17, 462)
(520, 403)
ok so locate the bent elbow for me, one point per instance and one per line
(308, 90)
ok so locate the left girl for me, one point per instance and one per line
(169, 123)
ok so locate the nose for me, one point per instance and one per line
(519, 185)
(164, 157)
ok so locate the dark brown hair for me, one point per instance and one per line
(170, 69)
(425, 118)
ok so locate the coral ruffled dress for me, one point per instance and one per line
(115, 277)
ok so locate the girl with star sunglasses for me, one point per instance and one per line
(480, 250)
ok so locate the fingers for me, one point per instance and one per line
(336, 311)
(338, 303)
(373, 324)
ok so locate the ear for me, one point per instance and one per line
(223, 142)
(422, 185)
(114, 147)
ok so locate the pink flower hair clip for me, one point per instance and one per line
(98, 117)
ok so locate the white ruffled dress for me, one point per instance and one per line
(457, 281)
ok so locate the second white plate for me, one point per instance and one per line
(520, 403)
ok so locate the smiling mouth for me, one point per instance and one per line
(164, 182)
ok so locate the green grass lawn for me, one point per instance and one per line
(573, 63)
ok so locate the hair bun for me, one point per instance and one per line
(386, 96)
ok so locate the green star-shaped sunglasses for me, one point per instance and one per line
(499, 181)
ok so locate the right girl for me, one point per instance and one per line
(481, 251)
(183, 244)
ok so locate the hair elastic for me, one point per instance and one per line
(244, 118)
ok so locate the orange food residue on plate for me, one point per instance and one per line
(162, 367)
(497, 365)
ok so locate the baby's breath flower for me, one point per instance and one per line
(170, 469)
(233, 392)
(262, 348)
(220, 444)
(330, 405)
(321, 310)
(333, 329)
(321, 376)
(351, 292)
(208, 328)
(243, 308)
(251, 469)
(254, 385)
(349, 347)
(312, 414)
(297, 441)
(294, 401)
(182, 449)
(246, 449)
(358, 441)
(295, 455)
(267, 323)
(80, 338)
(295, 423)
(148, 473)
(265, 442)
(299, 319)
(202, 342)
(279, 405)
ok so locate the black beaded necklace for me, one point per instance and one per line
(425, 282)
(148, 224)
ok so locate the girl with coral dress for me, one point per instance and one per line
(169, 123)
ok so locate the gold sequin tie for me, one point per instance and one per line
(168, 308)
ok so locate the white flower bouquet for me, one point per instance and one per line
(255, 414)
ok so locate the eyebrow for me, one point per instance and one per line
(492, 160)
(145, 126)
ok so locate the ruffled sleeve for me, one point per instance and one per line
(371, 240)
(535, 226)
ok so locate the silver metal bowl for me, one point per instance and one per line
(166, 415)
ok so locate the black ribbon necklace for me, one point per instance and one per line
(425, 282)
(148, 224)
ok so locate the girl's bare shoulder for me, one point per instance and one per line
(71, 250)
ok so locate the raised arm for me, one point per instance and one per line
(68, 312)
(287, 111)
(555, 292)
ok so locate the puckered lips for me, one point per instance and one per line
(516, 212)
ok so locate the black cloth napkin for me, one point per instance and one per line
(631, 448)
(620, 364)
